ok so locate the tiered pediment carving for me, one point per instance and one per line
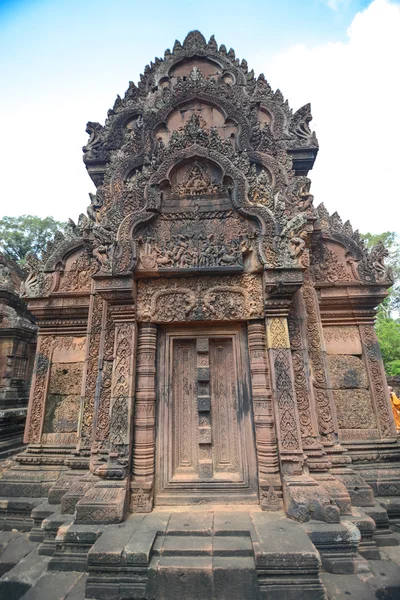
(202, 166)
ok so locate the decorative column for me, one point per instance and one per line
(91, 370)
(106, 501)
(266, 443)
(359, 492)
(38, 395)
(317, 459)
(142, 484)
(304, 498)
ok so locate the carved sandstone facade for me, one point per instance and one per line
(17, 351)
(206, 334)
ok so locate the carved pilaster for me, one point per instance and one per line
(304, 498)
(317, 460)
(326, 415)
(316, 457)
(142, 485)
(377, 381)
(266, 443)
(101, 421)
(40, 382)
(91, 371)
(287, 422)
(106, 501)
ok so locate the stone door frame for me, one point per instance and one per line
(244, 492)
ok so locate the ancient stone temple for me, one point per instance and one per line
(17, 351)
(206, 338)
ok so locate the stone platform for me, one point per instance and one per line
(214, 553)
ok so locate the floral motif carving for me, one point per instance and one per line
(289, 439)
(91, 366)
(169, 300)
(121, 389)
(41, 374)
(319, 379)
(277, 333)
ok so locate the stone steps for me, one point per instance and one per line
(218, 556)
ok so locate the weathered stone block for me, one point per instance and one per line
(354, 409)
(347, 372)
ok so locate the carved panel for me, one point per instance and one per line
(285, 398)
(354, 409)
(347, 372)
(39, 387)
(104, 392)
(224, 407)
(184, 411)
(342, 340)
(78, 275)
(69, 349)
(91, 373)
(319, 375)
(63, 398)
(304, 395)
(121, 388)
(209, 298)
(195, 241)
(277, 333)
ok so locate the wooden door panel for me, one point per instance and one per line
(205, 445)
(224, 418)
(184, 424)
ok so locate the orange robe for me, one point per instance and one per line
(396, 409)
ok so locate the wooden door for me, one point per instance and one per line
(205, 442)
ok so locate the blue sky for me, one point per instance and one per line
(63, 62)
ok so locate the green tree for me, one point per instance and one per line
(392, 242)
(27, 233)
(387, 327)
(388, 332)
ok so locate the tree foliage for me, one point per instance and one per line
(27, 233)
(392, 242)
(388, 332)
(388, 324)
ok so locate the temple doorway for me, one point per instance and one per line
(205, 448)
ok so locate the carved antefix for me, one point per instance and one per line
(205, 333)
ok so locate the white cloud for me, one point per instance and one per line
(354, 89)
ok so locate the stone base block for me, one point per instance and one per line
(12, 425)
(366, 526)
(64, 484)
(16, 513)
(28, 482)
(338, 546)
(360, 492)
(392, 507)
(271, 496)
(51, 527)
(336, 490)
(72, 545)
(383, 535)
(78, 488)
(304, 500)
(384, 481)
(141, 497)
(104, 503)
(41, 512)
(286, 561)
